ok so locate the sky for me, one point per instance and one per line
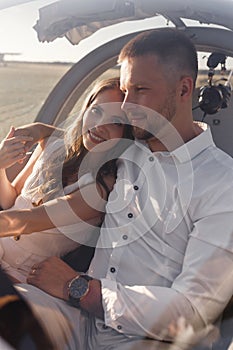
(17, 35)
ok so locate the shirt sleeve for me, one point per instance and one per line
(199, 293)
(207, 275)
(144, 311)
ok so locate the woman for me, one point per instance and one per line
(57, 190)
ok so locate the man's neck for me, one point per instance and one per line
(170, 139)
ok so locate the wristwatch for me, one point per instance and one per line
(78, 288)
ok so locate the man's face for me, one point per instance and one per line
(144, 83)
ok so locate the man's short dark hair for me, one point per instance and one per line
(171, 46)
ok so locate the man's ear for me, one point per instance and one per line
(186, 87)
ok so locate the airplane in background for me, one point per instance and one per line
(3, 54)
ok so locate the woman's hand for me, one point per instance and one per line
(38, 132)
(13, 149)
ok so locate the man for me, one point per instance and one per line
(165, 248)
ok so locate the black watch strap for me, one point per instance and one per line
(88, 278)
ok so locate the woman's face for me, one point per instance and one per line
(103, 121)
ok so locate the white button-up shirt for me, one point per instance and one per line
(166, 245)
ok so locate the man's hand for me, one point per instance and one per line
(52, 275)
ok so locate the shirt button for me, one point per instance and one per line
(125, 237)
(113, 269)
(135, 187)
(119, 327)
(151, 159)
(130, 215)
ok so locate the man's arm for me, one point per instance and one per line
(135, 317)
(199, 294)
(53, 276)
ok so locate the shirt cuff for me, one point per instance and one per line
(142, 311)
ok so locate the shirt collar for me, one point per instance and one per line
(192, 148)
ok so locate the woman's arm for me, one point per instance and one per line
(13, 149)
(84, 204)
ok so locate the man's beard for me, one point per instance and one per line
(141, 134)
(167, 112)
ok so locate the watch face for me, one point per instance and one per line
(78, 288)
